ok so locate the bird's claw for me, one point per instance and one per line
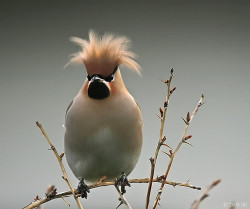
(82, 189)
(122, 181)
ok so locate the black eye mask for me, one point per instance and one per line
(107, 79)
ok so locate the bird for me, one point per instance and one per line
(103, 123)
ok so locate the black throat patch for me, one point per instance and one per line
(98, 89)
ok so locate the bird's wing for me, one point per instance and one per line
(137, 104)
(69, 107)
(139, 109)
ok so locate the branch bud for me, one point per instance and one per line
(151, 160)
(201, 102)
(188, 117)
(163, 139)
(172, 71)
(61, 155)
(161, 111)
(165, 104)
(188, 137)
(171, 91)
(36, 198)
(216, 182)
(51, 191)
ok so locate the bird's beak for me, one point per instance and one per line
(98, 88)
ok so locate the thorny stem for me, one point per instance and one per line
(65, 176)
(197, 202)
(153, 161)
(183, 140)
(110, 183)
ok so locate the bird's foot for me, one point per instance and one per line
(123, 182)
(82, 189)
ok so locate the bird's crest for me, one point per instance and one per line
(102, 54)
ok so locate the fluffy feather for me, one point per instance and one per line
(101, 54)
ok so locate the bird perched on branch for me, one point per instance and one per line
(103, 124)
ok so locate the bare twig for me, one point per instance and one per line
(146, 180)
(111, 183)
(183, 140)
(65, 176)
(160, 142)
(122, 199)
(197, 202)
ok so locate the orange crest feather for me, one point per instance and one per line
(101, 54)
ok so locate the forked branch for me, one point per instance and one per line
(172, 154)
(162, 179)
(111, 183)
(37, 201)
(162, 116)
(59, 158)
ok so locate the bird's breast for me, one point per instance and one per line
(104, 137)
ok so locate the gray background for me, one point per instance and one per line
(206, 42)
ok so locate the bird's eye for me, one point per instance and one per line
(109, 78)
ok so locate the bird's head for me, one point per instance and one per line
(102, 57)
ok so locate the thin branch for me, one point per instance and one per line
(65, 176)
(146, 180)
(163, 118)
(162, 179)
(197, 202)
(183, 140)
(122, 199)
(111, 183)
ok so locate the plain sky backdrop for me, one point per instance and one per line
(206, 42)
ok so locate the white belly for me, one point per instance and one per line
(103, 138)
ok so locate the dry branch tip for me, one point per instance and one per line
(205, 194)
